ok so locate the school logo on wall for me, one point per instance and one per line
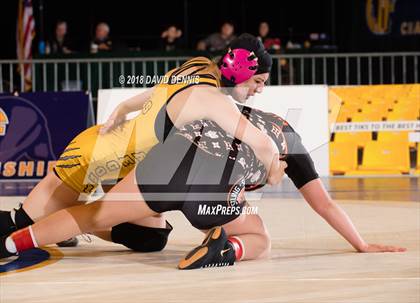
(3, 122)
(379, 15)
(26, 143)
(33, 135)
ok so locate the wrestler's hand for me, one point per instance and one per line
(117, 117)
(276, 172)
(374, 248)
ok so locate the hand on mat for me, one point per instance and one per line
(372, 248)
(117, 118)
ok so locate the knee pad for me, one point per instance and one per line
(141, 238)
(22, 219)
(9, 225)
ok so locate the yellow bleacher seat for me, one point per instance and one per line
(346, 112)
(400, 136)
(409, 100)
(384, 158)
(393, 136)
(370, 116)
(406, 105)
(374, 103)
(400, 115)
(380, 101)
(360, 138)
(375, 111)
(343, 157)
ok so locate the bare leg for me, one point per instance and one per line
(49, 196)
(250, 229)
(98, 215)
(157, 221)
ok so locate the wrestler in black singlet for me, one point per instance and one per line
(199, 167)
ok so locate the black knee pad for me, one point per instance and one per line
(141, 238)
(7, 226)
(22, 219)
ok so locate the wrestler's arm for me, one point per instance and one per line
(226, 114)
(301, 170)
(130, 105)
(135, 103)
(319, 199)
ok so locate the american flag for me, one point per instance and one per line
(24, 36)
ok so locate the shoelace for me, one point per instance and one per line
(220, 264)
(86, 237)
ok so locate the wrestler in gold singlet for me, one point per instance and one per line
(90, 158)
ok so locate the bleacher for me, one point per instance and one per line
(374, 152)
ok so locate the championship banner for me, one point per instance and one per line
(36, 127)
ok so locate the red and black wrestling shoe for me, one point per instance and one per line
(215, 251)
(4, 253)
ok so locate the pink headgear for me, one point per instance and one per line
(238, 65)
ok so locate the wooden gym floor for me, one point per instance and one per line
(309, 262)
